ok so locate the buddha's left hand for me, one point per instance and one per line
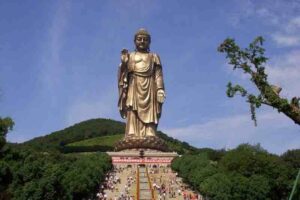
(161, 95)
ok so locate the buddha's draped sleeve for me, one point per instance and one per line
(158, 72)
(122, 76)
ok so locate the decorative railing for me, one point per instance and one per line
(138, 183)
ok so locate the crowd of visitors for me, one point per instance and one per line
(120, 184)
(168, 186)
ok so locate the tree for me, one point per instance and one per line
(28, 174)
(217, 187)
(249, 161)
(292, 157)
(251, 60)
(6, 124)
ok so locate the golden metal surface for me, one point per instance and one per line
(141, 88)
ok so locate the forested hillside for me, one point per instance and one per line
(86, 137)
(80, 131)
(247, 172)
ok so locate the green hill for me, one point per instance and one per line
(94, 135)
(110, 140)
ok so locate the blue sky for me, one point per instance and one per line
(59, 60)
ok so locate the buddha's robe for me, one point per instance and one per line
(144, 77)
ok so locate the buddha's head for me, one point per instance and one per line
(142, 40)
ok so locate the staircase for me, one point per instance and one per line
(144, 187)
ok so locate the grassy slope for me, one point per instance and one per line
(102, 141)
(110, 141)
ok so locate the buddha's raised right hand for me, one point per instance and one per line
(124, 56)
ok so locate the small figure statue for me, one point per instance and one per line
(141, 88)
(295, 101)
(276, 89)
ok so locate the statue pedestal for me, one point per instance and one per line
(150, 142)
(135, 157)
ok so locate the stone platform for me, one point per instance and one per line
(141, 156)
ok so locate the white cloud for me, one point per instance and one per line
(270, 12)
(285, 71)
(293, 25)
(281, 16)
(245, 9)
(51, 68)
(286, 40)
(288, 34)
(228, 132)
(86, 108)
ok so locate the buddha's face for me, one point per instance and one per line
(142, 43)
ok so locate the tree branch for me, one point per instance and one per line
(252, 60)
